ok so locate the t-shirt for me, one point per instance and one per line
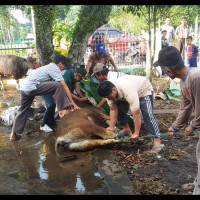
(130, 88)
(50, 72)
(170, 31)
(192, 55)
(190, 100)
(182, 32)
(164, 42)
(68, 76)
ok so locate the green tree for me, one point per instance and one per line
(43, 16)
(151, 13)
(90, 18)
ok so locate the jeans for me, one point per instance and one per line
(94, 79)
(48, 117)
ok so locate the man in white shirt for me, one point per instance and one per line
(170, 31)
(47, 79)
(137, 93)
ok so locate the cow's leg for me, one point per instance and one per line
(90, 144)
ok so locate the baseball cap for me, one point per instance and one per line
(169, 57)
(100, 48)
(81, 72)
(98, 67)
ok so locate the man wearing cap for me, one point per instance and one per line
(134, 93)
(44, 80)
(172, 64)
(71, 78)
(99, 56)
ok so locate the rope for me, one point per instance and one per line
(121, 136)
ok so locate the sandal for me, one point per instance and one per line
(188, 186)
(15, 136)
(158, 147)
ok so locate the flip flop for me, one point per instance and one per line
(15, 137)
(188, 186)
(158, 147)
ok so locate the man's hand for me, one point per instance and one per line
(188, 130)
(110, 129)
(170, 131)
(75, 107)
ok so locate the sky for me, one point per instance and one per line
(18, 15)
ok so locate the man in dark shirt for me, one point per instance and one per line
(99, 56)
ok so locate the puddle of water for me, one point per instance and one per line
(33, 159)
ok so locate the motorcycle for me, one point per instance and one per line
(132, 53)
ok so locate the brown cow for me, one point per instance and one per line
(82, 130)
(11, 65)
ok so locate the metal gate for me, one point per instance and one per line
(18, 47)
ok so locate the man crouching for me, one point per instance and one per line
(136, 92)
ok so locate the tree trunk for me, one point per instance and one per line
(91, 17)
(154, 38)
(43, 18)
(148, 66)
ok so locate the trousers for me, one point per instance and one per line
(47, 87)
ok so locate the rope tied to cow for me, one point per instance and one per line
(121, 136)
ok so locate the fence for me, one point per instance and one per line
(18, 47)
(124, 49)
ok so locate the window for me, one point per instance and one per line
(114, 33)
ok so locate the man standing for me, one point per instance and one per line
(99, 56)
(135, 92)
(182, 32)
(172, 64)
(170, 31)
(44, 80)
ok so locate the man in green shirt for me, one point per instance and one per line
(71, 78)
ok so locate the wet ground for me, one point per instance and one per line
(30, 165)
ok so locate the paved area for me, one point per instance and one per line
(116, 179)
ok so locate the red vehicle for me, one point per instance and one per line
(112, 34)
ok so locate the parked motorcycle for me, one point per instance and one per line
(132, 53)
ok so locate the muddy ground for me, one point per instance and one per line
(174, 166)
(150, 174)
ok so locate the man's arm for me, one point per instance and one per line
(89, 64)
(78, 91)
(183, 115)
(102, 102)
(113, 64)
(113, 116)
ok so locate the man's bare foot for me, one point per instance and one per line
(188, 186)
(134, 136)
(15, 136)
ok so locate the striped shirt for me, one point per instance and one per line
(50, 72)
(130, 88)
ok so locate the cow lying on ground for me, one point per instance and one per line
(82, 130)
(11, 65)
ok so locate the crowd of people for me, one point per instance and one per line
(56, 84)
